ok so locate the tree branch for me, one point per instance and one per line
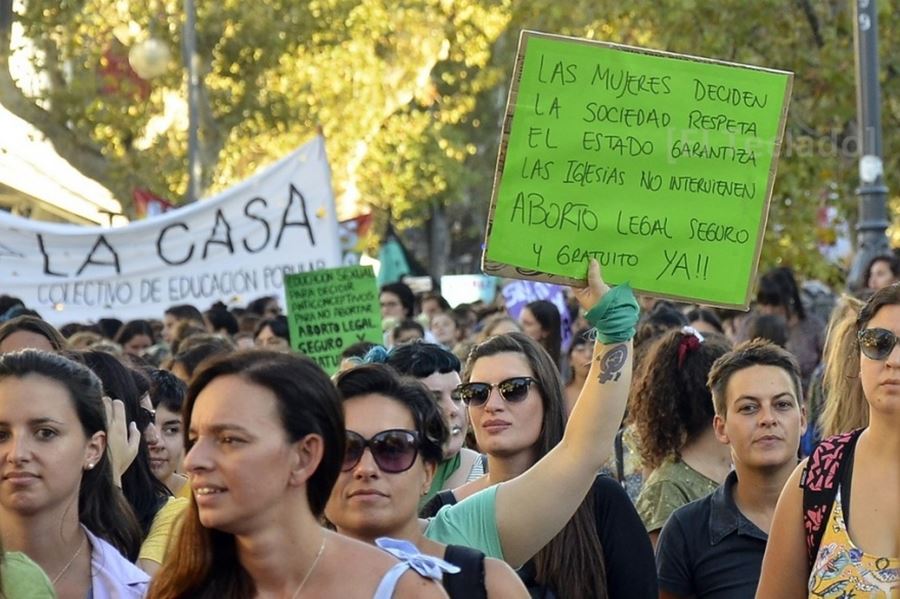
(72, 147)
(813, 21)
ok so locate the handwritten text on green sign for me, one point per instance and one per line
(658, 166)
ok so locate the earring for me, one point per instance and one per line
(90, 466)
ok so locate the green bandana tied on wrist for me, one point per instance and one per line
(615, 315)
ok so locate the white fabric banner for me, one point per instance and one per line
(233, 247)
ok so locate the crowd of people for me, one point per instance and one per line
(649, 449)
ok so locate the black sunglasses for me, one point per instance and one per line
(145, 418)
(513, 390)
(394, 450)
(877, 344)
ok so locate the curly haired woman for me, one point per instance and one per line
(672, 411)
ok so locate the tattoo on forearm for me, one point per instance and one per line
(612, 363)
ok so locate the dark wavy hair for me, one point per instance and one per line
(102, 508)
(421, 360)
(384, 380)
(146, 493)
(572, 563)
(203, 563)
(670, 403)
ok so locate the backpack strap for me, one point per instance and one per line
(820, 481)
(469, 581)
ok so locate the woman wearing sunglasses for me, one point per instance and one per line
(265, 439)
(395, 436)
(849, 545)
(547, 499)
(58, 504)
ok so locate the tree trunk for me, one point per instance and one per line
(438, 241)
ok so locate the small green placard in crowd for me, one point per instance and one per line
(658, 165)
(331, 309)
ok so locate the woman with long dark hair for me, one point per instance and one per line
(58, 504)
(265, 438)
(578, 532)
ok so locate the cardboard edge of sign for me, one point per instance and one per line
(499, 269)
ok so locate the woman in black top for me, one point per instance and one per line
(603, 551)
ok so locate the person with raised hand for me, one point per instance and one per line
(265, 440)
(836, 529)
(542, 497)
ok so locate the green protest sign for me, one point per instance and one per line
(659, 165)
(331, 309)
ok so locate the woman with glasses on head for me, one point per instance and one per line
(395, 439)
(58, 504)
(548, 502)
(265, 438)
(836, 530)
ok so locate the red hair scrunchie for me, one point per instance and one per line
(690, 341)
